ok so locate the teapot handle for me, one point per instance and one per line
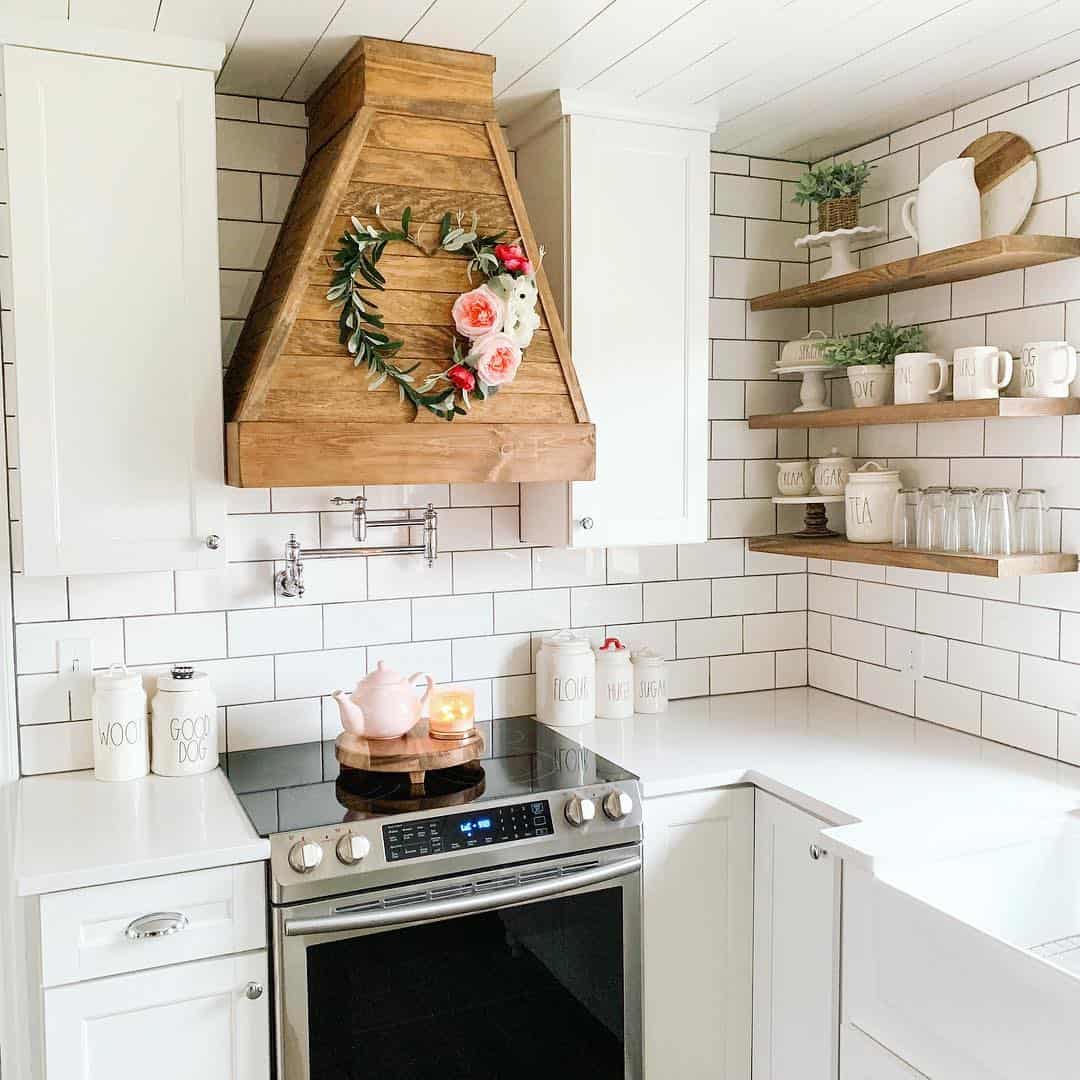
(415, 676)
(905, 217)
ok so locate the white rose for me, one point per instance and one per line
(522, 318)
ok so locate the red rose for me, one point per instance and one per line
(462, 377)
(513, 258)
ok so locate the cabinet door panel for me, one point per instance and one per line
(796, 946)
(698, 935)
(861, 1058)
(637, 319)
(186, 1022)
(116, 312)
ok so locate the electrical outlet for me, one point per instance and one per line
(909, 655)
(76, 665)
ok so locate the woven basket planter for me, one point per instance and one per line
(838, 213)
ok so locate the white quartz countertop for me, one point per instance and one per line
(896, 786)
(72, 830)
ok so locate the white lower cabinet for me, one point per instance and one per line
(796, 946)
(863, 1058)
(699, 865)
(186, 1022)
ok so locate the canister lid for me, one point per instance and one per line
(183, 677)
(117, 677)
(566, 641)
(612, 645)
(647, 657)
(874, 472)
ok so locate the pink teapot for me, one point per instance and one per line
(383, 705)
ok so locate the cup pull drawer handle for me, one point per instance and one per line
(157, 924)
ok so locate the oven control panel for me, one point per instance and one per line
(460, 832)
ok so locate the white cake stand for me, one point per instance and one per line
(815, 521)
(839, 241)
(812, 391)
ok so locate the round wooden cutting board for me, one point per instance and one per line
(414, 753)
(1006, 174)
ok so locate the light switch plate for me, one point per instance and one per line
(76, 666)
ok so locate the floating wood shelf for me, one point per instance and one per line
(939, 267)
(910, 414)
(841, 550)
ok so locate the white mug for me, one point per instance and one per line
(1046, 369)
(915, 382)
(980, 371)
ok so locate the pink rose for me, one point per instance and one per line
(478, 312)
(497, 359)
(513, 258)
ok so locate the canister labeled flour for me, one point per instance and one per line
(185, 738)
(565, 680)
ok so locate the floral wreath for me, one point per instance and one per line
(497, 319)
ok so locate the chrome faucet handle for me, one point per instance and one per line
(290, 581)
(431, 534)
(359, 513)
(346, 500)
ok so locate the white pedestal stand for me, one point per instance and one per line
(839, 241)
(812, 391)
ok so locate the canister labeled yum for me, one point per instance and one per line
(565, 681)
(184, 738)
(869, 498)
(118, 708)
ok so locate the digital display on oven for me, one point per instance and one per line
(460, 832)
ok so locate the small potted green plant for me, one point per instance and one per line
(835, 189)
(869, 359)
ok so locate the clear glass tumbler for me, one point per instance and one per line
(996, 534)
(1031, 521)
(905, 522)
(961, 523)
(933, 508)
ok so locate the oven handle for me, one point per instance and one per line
(440, 909)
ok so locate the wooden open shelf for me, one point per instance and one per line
(910, 414)
(953, 264)
(841, 550)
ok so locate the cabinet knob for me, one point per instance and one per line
(253, 991)
(587, 523)
(817, 852)
(213, 541)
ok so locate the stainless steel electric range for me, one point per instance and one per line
(487, 927)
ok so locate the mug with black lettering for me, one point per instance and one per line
(119, 730)
(185, 735)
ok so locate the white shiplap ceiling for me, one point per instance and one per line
(785, 78)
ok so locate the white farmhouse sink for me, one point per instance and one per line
(969, 966)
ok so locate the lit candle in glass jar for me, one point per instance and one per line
(453, 713)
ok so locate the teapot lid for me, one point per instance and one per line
(383, 676)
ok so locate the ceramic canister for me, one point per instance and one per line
(869, 498)
(614, 681)
(565, 680)
(118, 709)
(831, 473)
(650, 682)
(794, 477)
(803, 351)
(185, 736)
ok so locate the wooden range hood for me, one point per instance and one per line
(393, 126)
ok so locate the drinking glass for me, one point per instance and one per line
(905, 522)
(961, 520)
(1031, 521)
(933, 506)
(996, 535)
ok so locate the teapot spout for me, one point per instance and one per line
(352, 716)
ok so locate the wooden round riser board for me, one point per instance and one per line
(414, 753)
(1006, 174)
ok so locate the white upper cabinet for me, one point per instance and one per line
(117, 351)
(620, 206)
(796, 946)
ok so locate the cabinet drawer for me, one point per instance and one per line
(84, 931)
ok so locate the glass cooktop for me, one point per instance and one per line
(291, 788)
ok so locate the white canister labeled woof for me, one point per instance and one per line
(1046, 369)
(121, 738)
(794, 477)
(869, 499)
(565, 680)
(614, 681)
(831, 473)
(650, 682)
(980, 371)
(184, 739)
(920, 377)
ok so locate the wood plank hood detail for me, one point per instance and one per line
(395, 125)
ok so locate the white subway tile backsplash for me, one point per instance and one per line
(949, 616)
(745, 196)
(264, 631)
(948, 705)
(39, 599)
(741, 517)
(708, 637)
(102, 596)
(273, 723)
(440, 617)
(858, 640)
(833, 673)
(513, 696)
(392, 576)
(832, 596)
(301, 675)
(675, 600)
(492, 657)
(375, 622)
(556, 567)
(886, 688)
(536, 609)
(426, 657)
(1020, 628)
(688, 678)
(653, 563)
(726, 236)
(658, 636)
(715, 558)
(1049, 682)
(744, 596)
(780, 630)
(740, 674)
(164, 638)
(599, 604)
(1029, 727)
(982, 668)
(887, 604)
(55, 748)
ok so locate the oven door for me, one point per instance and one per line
(531, 971)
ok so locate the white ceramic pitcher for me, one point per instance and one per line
(946, 208)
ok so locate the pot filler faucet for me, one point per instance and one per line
(290, 581)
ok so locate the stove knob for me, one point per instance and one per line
(351, 849)
(305, 856)
(617, 805)
(579, 811)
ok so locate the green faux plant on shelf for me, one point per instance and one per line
(881, 344)
(835, 189)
